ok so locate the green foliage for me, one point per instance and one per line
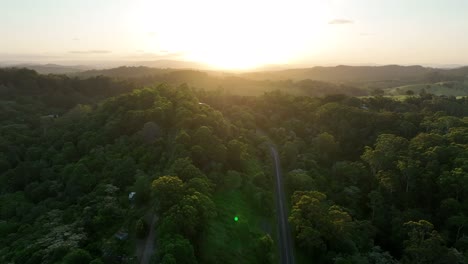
(235, 150)
(326, 147)
(225, 240)
(265, 249)
(141, 228)
(232, 180)
(362, 171)
(299, 180)
(168, 191)
(77, 256)
(185, 170)
(425, 245)
(191, 213)
(176, 249)
(124, 172)
(201, 185)
(142, 189)
(319, 226)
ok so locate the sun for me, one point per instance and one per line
(237, 35)
(231, 56)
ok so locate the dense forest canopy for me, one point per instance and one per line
(87, 163)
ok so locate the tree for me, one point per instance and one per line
(150, 132)
(185, 169)
(176, 249)
(232, 180)
(319, 226)
(424, 244)
(142, 188)
(377, 92)
(265, 249)
(201, 185)
(203, 136)
(454, 182)
(326, 147)
(4, 163)
(168, 191)
(80, 180)
(290, 151)
(168, 259)
(77, 256)
(298, 180)
(124, 172)
(235, 152)
(459, 222)
(387, 150)
(69, 151)
(141, 228)
(191, 213)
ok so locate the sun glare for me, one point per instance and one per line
(230, 34)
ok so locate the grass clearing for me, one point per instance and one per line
(452, 88)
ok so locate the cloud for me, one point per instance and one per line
(75, 39)
(152, 34)
(90, 51)
(340, 21)
(364, 34)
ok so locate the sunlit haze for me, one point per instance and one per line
(239, 34)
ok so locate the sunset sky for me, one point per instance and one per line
(237, 34)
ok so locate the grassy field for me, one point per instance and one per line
(441, 88)
(394, 97)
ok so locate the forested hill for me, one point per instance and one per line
(99, 84)
(344, 73)
(317, 81)
(336, 74)
(65, 181)
(52, 68)
(368, 180)
(57, 91)
(351, 80)
(125, 72)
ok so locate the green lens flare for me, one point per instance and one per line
(236, 218)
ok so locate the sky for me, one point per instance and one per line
(238, 34)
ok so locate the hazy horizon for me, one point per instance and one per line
(184, 64)
(240, 35)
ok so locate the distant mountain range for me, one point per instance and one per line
(344, 73)
(363, 76)
(49, 68)
(69, 67)
(314, 81)
(173, 64)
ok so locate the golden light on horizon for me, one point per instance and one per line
(233, 35)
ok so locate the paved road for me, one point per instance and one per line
(284, 234)
(149, 245)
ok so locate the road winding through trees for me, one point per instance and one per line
(149, 245)
(284, 234)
